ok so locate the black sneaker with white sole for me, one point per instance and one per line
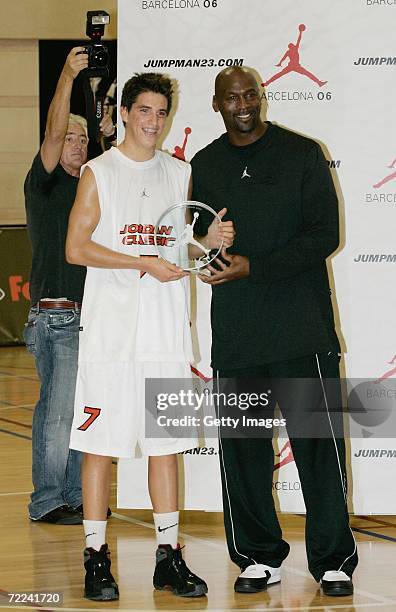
(256, 578)
(99, 582)
(64, 515)
(336, 584)
(171, 573)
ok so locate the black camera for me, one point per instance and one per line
(98, 54)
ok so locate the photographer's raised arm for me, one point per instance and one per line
(58, 113)
(82, 250)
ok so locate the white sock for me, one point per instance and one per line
(95, 534)
(167, 528)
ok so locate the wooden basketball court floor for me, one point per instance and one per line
(48, 558)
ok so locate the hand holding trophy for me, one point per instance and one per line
(191, 235)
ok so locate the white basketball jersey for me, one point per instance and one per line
(127, 317)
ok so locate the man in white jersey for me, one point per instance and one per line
(134, 325)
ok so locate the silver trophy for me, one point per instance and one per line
(178, 241)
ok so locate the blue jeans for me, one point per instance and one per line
(51, 335)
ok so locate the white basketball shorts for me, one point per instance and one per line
(109, 413)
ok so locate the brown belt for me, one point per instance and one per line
(59, 304)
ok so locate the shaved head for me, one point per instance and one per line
(237, 97)
(226, 76)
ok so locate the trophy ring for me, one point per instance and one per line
(178, 234)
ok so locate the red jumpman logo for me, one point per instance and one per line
(389, 373)
(294, 63)
(179, 151)
(199, 374)
(388, 178)
(285, 456)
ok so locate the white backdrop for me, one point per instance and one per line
(349, 45)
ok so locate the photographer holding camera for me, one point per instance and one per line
(56, 290)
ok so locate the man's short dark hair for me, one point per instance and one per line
(146, 81)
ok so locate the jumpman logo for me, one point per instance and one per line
(285, 456)
(187, 237)
(294, 63)
(245, 174)
(144, 194)
(179, 152)
(388, 178)
(390, 373)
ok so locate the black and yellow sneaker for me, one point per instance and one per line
(171, 573)
(99, 582)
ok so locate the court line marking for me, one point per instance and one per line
(14, 375)
(16, 493)
(348, 607)
(373, 533)
(379, 522)
(13, 433)
(113, 485)
(4, 375)
(378, 598)
(10, 406)
(16, 423)
(16, 367)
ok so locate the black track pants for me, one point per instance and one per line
(252, 528)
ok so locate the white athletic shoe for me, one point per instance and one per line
(336, 584)
(256, 577)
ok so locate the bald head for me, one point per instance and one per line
(225, 78)
(238, 99)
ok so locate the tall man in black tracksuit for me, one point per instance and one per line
(272, 318)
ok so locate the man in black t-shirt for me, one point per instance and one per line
(272, 320)
(56, 290)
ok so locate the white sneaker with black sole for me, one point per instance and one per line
(256, 578)
(336, 584)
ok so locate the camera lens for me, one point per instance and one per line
(100, 58)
